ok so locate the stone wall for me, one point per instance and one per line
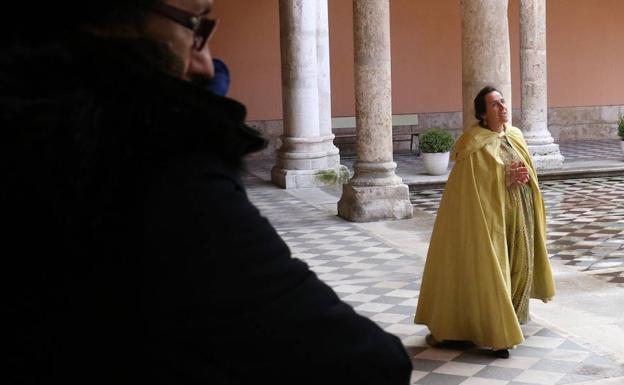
(578, 123)
(565, 124)
(451, 121)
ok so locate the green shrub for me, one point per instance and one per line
(436, 140)
(621, 128)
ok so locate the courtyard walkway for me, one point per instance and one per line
(578, 338)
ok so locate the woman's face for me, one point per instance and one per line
(179, 39)
(496, 113)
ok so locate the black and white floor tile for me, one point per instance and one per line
(591, 149)
(544, 358)
(383, 284)
(585, 219)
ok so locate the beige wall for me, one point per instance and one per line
(585, 52)
(247, 40)
(585, 58)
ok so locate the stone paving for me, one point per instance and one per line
(381, 280)
(585, 223)
(591, 149)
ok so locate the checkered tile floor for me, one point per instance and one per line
(585, 219)
(591, 149)
(544, 358)
(286, 211)
(383, 284)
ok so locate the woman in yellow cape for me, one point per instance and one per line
(487, 254)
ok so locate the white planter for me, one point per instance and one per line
(436, 163)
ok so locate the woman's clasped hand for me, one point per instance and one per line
(517, 174)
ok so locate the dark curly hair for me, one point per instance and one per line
(479, 104)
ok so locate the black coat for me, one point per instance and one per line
(131, 253)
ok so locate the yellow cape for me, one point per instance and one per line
(466, 289)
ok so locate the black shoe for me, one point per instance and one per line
(431, 341)
(462, 345)
(502, 353)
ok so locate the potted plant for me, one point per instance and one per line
(621, 131)
(435, 146)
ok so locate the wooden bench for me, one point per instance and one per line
(396, 137)
(399, 133)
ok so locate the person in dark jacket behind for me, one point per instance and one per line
(131, 254)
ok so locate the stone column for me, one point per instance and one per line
(375, 192)
(302, 159)
(534, 107)
(485, 52)
(324, 83)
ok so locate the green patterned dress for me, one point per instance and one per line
(519, 223)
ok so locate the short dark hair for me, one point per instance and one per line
(54, 18)
(479, 103)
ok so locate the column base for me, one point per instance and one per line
(288, 179)
(373, 203)
(333, 153)
(546, 157)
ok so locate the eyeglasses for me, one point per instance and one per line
(202, 27)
